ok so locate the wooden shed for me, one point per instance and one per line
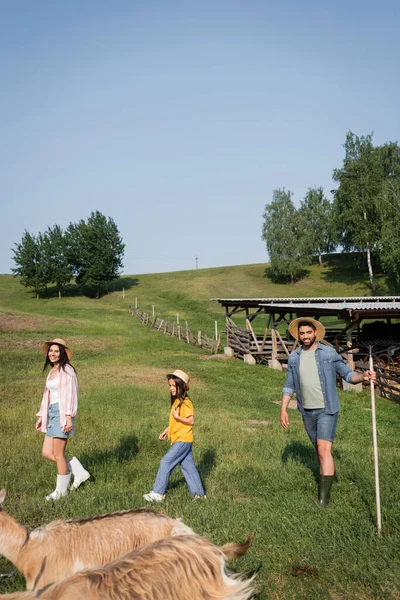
(256, 328)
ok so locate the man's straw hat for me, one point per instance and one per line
(60, 342)
(181, 375)
(319, 328)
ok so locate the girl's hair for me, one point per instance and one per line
(64, 360)
(181, 390)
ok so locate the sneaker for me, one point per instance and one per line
(196, 497)
(153, 497)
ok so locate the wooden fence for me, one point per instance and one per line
(388, 382)
(177, 330)
(244, 341)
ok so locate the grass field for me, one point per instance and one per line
(258, 478)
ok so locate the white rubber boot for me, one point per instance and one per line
(61, 487)
(80, 474)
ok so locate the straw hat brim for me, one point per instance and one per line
(46, 345)
(319, 328)
(181, 375)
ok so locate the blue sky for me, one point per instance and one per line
(179, 118)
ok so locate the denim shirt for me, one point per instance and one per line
(329, 362)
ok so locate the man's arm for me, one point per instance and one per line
(287, 393)
(351, 376)
(364, 376)
(284, 414)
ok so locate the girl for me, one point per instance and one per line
(180, 432)
(56, 415)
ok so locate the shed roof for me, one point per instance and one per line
(328, 300)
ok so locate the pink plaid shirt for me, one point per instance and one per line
(67, 397)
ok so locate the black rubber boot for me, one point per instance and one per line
(324, 490)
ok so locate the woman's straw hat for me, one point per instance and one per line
(319, 328)
(181, 375)
(60, 342)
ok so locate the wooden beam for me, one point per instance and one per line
(249, 327)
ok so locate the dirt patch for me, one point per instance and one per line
(130, 374)
(292, 404)
(19, 322)
(11, 322)
(214, 356)
(258, 422)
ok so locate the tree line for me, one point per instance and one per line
(363, 216)
(90, 252)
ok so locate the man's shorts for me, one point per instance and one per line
(319, 425)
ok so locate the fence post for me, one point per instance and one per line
(136, 302)
(153, 311)
(216, 330)
(123, 292)
(187, 333)
(177, 318)
(199, 338)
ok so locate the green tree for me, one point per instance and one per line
(28, 256)
(283, 233)
(95, 251)
(356, 201)
(55, 257)
(316, 212)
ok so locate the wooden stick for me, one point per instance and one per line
(374, 437)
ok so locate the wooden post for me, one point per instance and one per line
(274, 344)
(199, 338)
(136, 302)
(179, 331)
(216, 330)
(177, 318)
(265, 334)
(187, 332)
(250, 328)
(350, 358)
(123, 292)
(153, 310)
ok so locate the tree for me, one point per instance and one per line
(282, 232)
(95, 251)
(28, 256)
(389, 251)
(55, 257)
(356, 200)
(316, 212)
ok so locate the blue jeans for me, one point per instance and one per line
(319, 425)
(180, 454)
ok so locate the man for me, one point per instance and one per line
(311, 373)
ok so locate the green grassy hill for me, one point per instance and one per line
(257, 477)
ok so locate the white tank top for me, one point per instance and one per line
(53, 385)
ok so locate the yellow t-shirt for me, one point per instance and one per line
(178, 432)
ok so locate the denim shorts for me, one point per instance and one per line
(53, 428)
(319, 425)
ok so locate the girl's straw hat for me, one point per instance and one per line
(319, 328)
(181, 375)
(60, 342)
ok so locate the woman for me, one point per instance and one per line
(57, 413)
(180, 434)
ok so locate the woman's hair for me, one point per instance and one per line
(64, 360)
(181, 390)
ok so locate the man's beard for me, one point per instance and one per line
(309, 344)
